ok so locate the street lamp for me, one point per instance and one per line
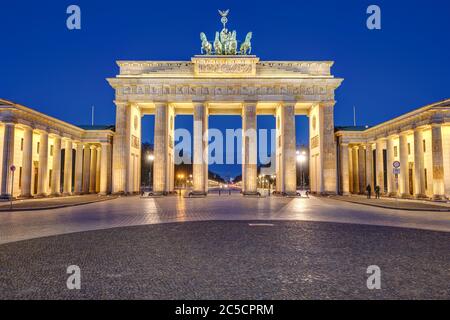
(301, 158)
(150, 158)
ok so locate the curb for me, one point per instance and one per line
(57, 206)
(393, 208)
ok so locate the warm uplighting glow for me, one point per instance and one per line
(150, 157)
(301, 158)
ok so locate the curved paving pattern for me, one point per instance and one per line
(130, 211)
(230, 260)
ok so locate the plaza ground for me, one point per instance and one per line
(226, 247)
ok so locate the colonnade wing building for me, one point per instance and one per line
(408, 156)
(51, 157)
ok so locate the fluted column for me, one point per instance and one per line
(8, 160)
(369, 165)
(404, 174)
(160, 164)
(345, 174)
(355, 162)
(362, 169)
(93, 169)
(86, 167)
(78, 183)
(43, 165)
(287, 168)
(56, 167)
(379, 165)
(67, 187)
(98, 169)
(249, 152)
(350, 169)
(105, 171)
(437, 162)
(390, 174)
(27, 162)
(419, 168)
(200, 166)
(121, 148)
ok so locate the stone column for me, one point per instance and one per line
(287, 170)
(249, 149)
(27, 162)
(419, 168)
(8, 160)
(43, 165)
(121, 148)
(392, 192)
(56, 167)
(350, 169)
(93, 169)
(355, 162)
(67, 188)
(345, 174)
(437, 162)
(78, 185)
(362, 169)
(160, 164)
(86, 168)
(328, 147)
(379, 165)
(105, 168)
(404, 175)
(369, 166)
(200, 166)
(98, 169)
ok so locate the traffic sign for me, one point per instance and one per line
(12, 168)
(396, 170)
(396, 164)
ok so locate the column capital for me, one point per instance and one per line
(160, 103)
(330, 103)
(288, 103)
(121, 103)
(436, 125)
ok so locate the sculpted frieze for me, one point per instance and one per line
(324, 91)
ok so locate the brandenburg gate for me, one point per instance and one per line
(224, 80)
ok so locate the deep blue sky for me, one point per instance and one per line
(62, 73)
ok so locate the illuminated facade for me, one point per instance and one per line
(408, 156)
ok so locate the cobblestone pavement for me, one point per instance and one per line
(130, 211)
(231, 260)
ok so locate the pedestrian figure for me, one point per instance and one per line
(377, 192)
(369, 191)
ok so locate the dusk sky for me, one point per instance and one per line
(387, 72)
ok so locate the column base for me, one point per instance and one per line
(66, 194)
(41, 195)
(392, 194)
(55, 195)
(197, 194)
(25, 196)
(251, 194)
(406, 196)
(439, 197)
(421, 196)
